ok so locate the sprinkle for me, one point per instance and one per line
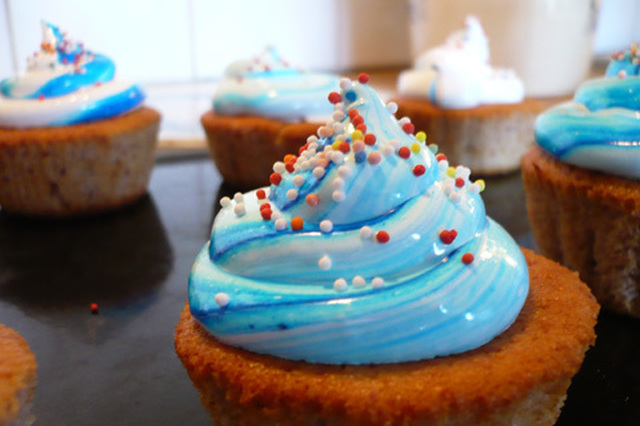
(266, 213)
(377, 282)
(225, 202)
(441, 157)
(340, 284)
(275, 178)
(338, 115)
(382, 236)
(345, 84)
(94, 308)
(290, 167)
(357, 120)
(443, 165)
(337, 157)
(358, 281)
(297, 223)
(622, 74)
(447, 236)
(277, 215)
(370, 139)
(357, 135)
(467, 258)
(463, 172)
(451, 172)
(421, 136)
(415, 148)
(261, 194)
(403, 121)
(338, 128)
(404, 152)
(265, 206)
(360, 156)
(298, 180)
(338, 183)
(455, 197)
(41, 97)
(482, 184)
(408, 128)
(280, 224)
(351, 95)
(363, 78)
(325, 131)
(374, 158)
(312, 200)
(312, 139)
(353, 113)
(433, 148)
(388, 150)
(292, 194)
(278, 167)
(459, 182)
(362, 127)
(318, 172)
(222, 299)
(326, 226)
(324, 263)
(238, 197)
(334, 97)
(336, 145)
(474, 188)
(392, 107)
(344, 172)
(358, 146)
(344, 147)
(366, 232)
(338, 196)
(419, 170)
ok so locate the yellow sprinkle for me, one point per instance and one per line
(451, 172)
(336, 145)
(415, 148)
(421, 136)
(482, 184)
(356, 135)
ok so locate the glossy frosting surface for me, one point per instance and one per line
(600, 128)
(361, 251)
(457, 74)
(65, 84)
(268, 86)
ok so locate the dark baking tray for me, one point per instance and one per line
(119, 366)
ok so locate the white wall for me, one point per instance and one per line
(618, 25)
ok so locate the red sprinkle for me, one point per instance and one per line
(467, 258)
(41, 96)
(312, 199)
(94, 308)
(289, 166)
(261, 194)
(408, 128)
(334, 97)
(362, 127)
(303, 148)
(266, 213)
(459, 182)
(345, 147)
(363, 78)
(382, 236)
(441, 157)
(265, 206)
(447, 237)
(275, 178)
(419, 170)
(370, 139)
(357, 119)
(404, 152)
(353, 113)
(296, 223)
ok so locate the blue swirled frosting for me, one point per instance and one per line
(304, 270)
(268, 86)
(65, 84)
(600, 128)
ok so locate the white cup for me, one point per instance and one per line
(547, 42)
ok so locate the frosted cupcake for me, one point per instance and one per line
(367, 286)
(73, 139)
(263, 109)
(478, 114)
(17, 378)
(582, 183)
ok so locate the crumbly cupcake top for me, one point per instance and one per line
(600, 128)
(368, 247)
(65, 84)
(268, 86)
(458, 75)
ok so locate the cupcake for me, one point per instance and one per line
(367, 286)
(478, 114)
(73, 139)
(582, 184)
(263, 109)
(17, 378)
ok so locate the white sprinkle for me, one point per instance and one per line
(443, 164)
(326, 226)
(366, 232)
(448, 186)
(403, 121)
(276, 215)
(394, 143)
(377, 282)
(280, 224)
(225, 202)
(298, 181)
(474, 188)
(345, 84)
(340, 284)
(312, 139)
(455, 197)
(388, 150)
(318, 172)
(239, 209)
(313, 162)
(392, 107)
(358, 281)
(337, 157)
(338, 115)
(339, 106)
(292, 194)
(463, 172)
(341, 137)
(222, 299)
(338, 196)
(344, 172)
(279, 167)
(297, 167)
(338, 183)
(325, 131)
(305, 165)
(324, 263)
(312, 146)
(328, 148)
(338, 127)
(238, 197)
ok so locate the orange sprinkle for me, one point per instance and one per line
(296, 223)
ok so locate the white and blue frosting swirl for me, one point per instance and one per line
(336, 290)
(600, 128)
(65, 84)
(267, 86)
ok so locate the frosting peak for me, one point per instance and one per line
(366, 248)
(64, 84)
(458, 75)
